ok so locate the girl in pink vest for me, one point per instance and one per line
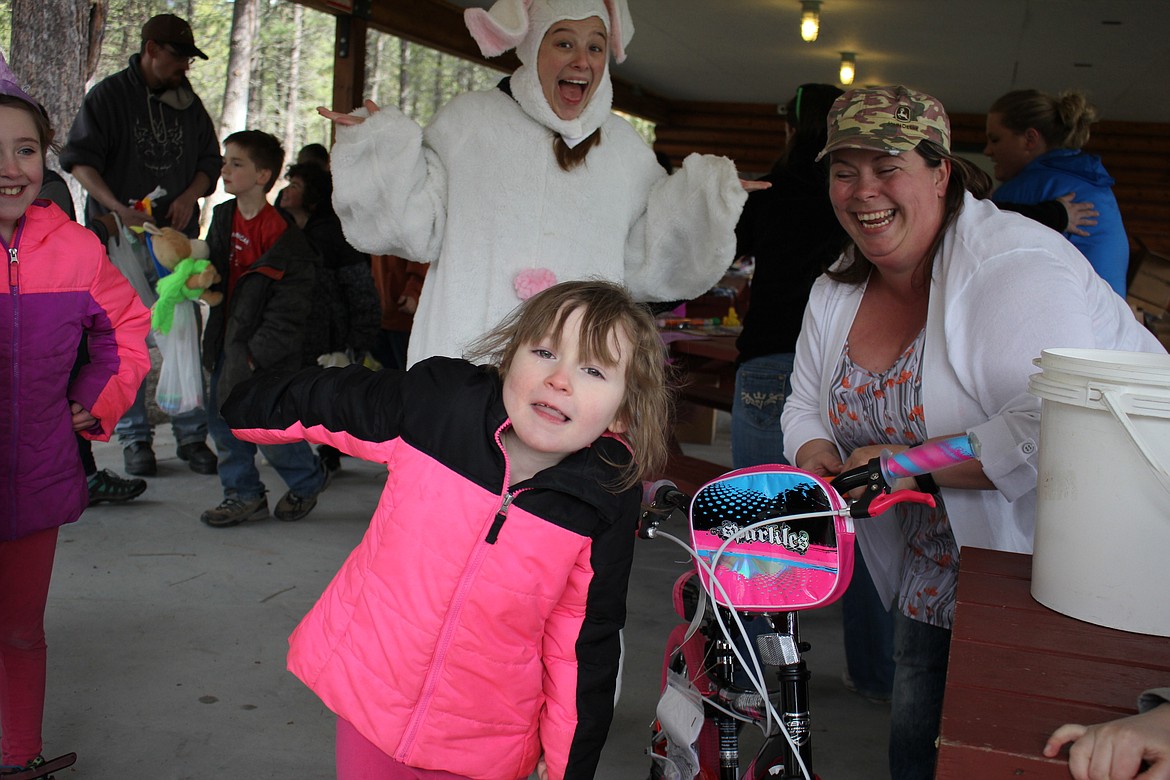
(474, 632)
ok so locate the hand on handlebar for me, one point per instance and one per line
(863, 455)
(864, 483)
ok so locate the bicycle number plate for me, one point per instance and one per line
(784, 564)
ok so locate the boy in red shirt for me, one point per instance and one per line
(269, 272)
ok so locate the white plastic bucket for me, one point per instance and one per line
(1102, 545)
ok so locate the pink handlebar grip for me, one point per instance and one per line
(932, 456)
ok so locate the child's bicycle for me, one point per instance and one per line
(767, 542)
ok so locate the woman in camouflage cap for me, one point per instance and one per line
(926, 327)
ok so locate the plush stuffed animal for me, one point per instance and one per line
(184, 273)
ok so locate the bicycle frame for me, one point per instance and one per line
(767, 543)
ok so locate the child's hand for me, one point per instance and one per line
(339, 118)
(82, 419)
(541, 769)
(1115, 750)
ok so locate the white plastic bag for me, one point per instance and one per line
(180, 380)
(680, 713)
(129, 255)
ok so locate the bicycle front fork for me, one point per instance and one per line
(776, 753)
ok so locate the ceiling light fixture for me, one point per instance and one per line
(848, 67)
(810, 19)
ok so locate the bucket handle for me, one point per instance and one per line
(1113, 401)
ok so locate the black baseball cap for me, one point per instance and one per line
(168, 28)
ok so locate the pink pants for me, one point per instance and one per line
(26, 565)
(360, 759)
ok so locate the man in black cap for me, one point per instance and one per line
(138, 131)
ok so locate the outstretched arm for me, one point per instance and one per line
(349, 120)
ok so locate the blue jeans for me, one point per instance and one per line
(920, 654)
(761, 386)
(296, 464)
(189, 427)
(868, 626)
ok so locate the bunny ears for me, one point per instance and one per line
(509, 22)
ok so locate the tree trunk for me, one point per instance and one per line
(294, 82)
(378, 72)
(438, 81)
(239, 71)
(405, 93)
(51, 45)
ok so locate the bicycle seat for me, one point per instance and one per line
(800, 557)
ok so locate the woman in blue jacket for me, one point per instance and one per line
(1035, 142)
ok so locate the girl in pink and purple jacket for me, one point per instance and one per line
(60, 284)
(474, 631)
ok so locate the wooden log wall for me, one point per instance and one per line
(751, 134)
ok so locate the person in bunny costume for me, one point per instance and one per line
(510, 190)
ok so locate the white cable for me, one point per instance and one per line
(755, 673)
(760, 688)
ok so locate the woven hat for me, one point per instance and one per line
(886, 119)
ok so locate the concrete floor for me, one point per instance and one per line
(167, 639)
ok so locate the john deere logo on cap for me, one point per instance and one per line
(902, 114)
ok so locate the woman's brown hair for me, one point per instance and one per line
(569, 157)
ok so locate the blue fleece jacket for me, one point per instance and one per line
(1061, 171)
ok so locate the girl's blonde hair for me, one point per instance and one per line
(606, 309)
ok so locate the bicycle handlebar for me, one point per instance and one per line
(879, 475)
(931, 456)
(877, 478)
(660, 499)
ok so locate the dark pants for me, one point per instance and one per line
(920, 658)
(868, 628)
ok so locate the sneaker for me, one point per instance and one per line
(36, 763)
(234, 511)
(292, 507)
(105, 485)
(199, 457)
(139, 459)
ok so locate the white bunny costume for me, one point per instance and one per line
(480, 196)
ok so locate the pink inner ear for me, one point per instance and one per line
(615, 31)
(493, 38)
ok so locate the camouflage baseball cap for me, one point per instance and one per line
(886, 119)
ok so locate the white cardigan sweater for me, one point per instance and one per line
(479, 195)
(1003, 289)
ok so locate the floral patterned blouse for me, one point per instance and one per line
(886, 408)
